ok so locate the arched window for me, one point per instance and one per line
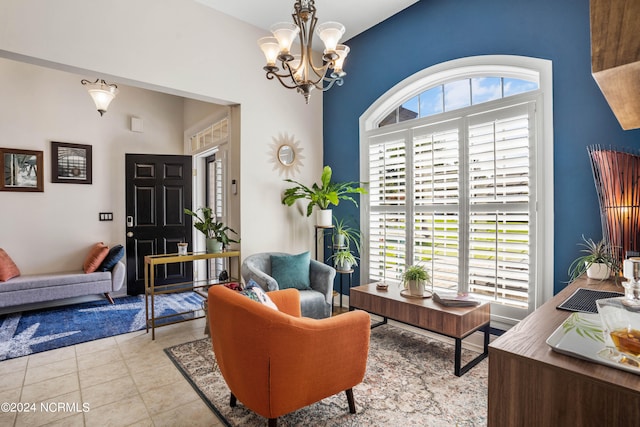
(459, 163)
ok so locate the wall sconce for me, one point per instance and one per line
(102, 93)
(617, 179)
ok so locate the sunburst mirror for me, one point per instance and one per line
(286, 155)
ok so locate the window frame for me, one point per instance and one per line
(542, 153)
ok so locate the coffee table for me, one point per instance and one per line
(454, 322)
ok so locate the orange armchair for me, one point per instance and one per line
(276, 362)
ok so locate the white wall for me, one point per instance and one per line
(179, 47)
(52, 231)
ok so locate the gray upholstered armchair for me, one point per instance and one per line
(315, 302)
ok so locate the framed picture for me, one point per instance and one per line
(70, 163)
(22, 170)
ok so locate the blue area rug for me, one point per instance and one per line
(41, 330)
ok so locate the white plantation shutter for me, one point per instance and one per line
(387, 204)
(499, 160)
(470, 187)
(436, 201)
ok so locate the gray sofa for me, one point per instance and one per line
(48, 287)
(315, 302)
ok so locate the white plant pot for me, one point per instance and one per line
(343, 266)
(324, 217)
(598, 271)
(416, 287)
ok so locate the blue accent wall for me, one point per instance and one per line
(435, 31)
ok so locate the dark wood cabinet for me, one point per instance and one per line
(532, 385)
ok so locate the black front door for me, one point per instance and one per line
(158, 189)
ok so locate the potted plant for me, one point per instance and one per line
(598, 261)
(344, 235)
(414, 279)
(215, 232)
(324, 195)
(344, 260)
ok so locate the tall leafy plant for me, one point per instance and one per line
(324, 195)
(206, 223)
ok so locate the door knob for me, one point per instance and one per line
(130, 234)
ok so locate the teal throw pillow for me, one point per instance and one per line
(291, 271)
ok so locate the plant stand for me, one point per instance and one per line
(343, 273)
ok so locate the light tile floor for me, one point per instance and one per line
(125, 380)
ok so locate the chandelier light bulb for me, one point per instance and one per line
(330, 34)
(270, 47)
(342, 51)
(297, 69)
(285, 33)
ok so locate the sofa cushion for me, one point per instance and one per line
(53, 280)
(291, 271)
(255, 292)
(94, 258)
(114, 255)
(8, 268)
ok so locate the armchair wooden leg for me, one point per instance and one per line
(232, 401)
(106, 294)
(352, 403)
(273, 422)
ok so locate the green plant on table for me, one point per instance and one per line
(593, 253)
(416, 272)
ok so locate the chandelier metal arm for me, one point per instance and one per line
(283, 78)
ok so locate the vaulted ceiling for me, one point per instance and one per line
(356, 15)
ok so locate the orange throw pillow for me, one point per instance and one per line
(8, 268)
(97, 254)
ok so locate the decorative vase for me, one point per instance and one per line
(416, 287)
(340, 239)
(324, 218)
(598, 271)
(214, 246)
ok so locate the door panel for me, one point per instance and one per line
(158, 189)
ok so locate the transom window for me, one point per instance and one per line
(458, 94)
(454, 170)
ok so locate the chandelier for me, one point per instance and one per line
(298, 71)
(101, 92)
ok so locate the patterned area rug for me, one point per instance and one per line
(409, 381)
(41, 330)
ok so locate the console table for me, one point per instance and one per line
(151, 289)
(532, 385)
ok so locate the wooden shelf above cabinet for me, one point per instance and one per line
(615, 57)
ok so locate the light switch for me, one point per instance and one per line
(106, 216)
